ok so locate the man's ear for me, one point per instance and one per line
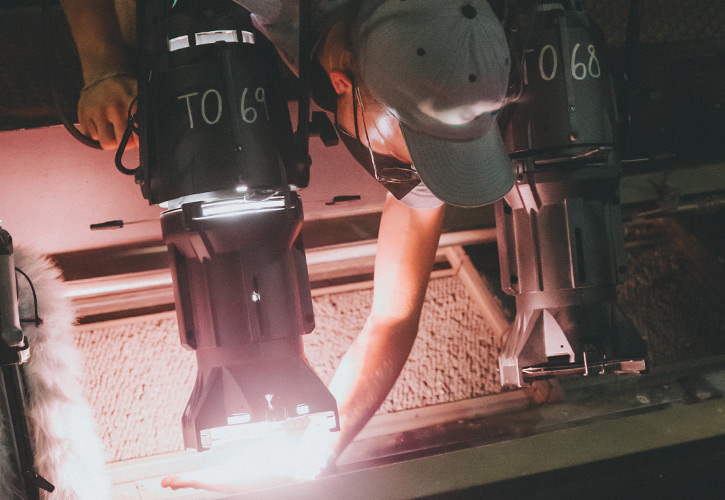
(341, 82)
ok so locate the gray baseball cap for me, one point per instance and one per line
(441, 68)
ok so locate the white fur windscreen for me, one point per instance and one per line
(68, 453)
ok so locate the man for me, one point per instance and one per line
(416, 87)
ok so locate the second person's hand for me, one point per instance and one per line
(103, 109)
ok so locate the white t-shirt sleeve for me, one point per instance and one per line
(420, 197)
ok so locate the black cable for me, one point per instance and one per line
(37, 320)
(631, 51)
(634, 22)
(51, 75)
(303, 120)
(131, 127)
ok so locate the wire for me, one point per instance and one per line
(303, 115)
(37, 320)
(131, 127)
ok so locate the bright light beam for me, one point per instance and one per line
(292, 456)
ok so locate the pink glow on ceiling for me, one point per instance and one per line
(54, 188)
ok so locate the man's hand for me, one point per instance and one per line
(299, 453)
(103, 109)
(109, 87)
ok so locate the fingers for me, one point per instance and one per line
(177, 483)
(106, 125)
(87, 126)
(103, 111)
(106, 134)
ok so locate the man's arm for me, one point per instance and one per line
(109, 87)
(407, 243)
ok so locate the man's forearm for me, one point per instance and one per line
(370, 356)
(407, 244)
(97, 36)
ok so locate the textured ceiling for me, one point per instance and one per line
(25, 69)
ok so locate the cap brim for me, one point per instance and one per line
(466, 174)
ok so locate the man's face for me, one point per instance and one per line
(376, 128)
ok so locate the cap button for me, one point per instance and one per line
(469, 11)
